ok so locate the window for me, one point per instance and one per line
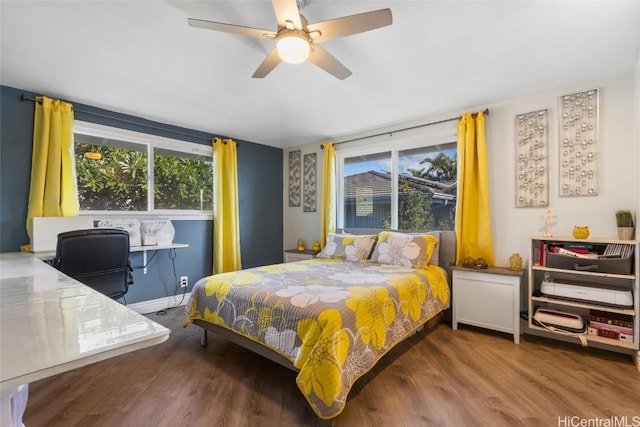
(182, 180)
(367, 190)
(111, 174)
(413, 186)
(120, 171)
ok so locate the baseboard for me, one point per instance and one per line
(151, 306)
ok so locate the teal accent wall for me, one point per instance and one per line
(260, 185)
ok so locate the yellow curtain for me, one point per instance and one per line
(226, 224)
(53, 190)
(473, 223)
(328, 213)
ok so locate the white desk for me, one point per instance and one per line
(157, 247)
(144, 250)
(51, 323)
(46, 255)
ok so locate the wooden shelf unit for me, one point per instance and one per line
(536, 273)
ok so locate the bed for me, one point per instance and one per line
(330, 319)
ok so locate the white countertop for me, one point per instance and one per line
(51, 323)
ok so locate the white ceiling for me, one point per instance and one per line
(141, 58)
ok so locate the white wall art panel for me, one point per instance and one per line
(578, 124)
(532, 159)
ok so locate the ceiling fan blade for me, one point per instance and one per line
(349, 25)
(287, 10)
(234, 29)
(268, 64)
(328, 62)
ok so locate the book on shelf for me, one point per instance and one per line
(614, 319)
(612, 328)
(579, 246)
(618, 250)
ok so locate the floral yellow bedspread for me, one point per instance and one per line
(333, 319)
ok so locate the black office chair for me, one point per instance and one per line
(97, 257)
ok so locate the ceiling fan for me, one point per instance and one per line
(297, 40)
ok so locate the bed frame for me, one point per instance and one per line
(446, 259)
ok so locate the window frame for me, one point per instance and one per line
(425, 137)
(151, 142)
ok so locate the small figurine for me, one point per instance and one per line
(515, 262)
(548, 221)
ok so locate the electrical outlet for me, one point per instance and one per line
(184, 281)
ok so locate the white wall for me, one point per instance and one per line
(298, 224)
(618, 179)
(618, 175)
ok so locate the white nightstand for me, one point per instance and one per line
(291, 255)
(488, 298)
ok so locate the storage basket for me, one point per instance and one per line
(600, 265)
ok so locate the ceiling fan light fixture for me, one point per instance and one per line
(297, 40)
(293, 48)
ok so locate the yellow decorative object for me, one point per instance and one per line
(300, 245)
(93, 155)
(515, 262)
(316, 246)
(580, 232)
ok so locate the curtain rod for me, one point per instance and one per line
(123, 120)
(486, 113)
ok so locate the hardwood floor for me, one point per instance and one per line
(466, 377)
